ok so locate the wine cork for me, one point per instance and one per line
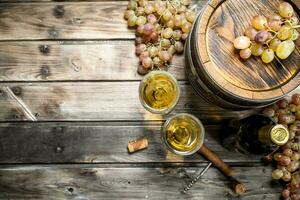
(136, 145)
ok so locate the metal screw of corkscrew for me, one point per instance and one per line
(194, 180)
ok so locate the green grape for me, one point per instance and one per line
(142, 2)
(186, 27)
(141, 20)
(285, 49)
(160, 11)
(179, 47)
(177, 20)
(131, 21)
(268, 56)
(140, 29)
(286, 10)
(274, 44)
(277, 174)
(157, 62)
(128, 13)
(170, 23)
(167, 15)
(140, 11)
(177, 34)
(241, 42)
(186, 2)
(153, 51)
(259, 21)
(167, 33)
(132, 5)
(286, 176)
(149, 8)
(165, 43)
(159, 5)
(172, 50)
(190, 16)
(164, 56)
(184, 36)
(181, 9)
(245, 53)
(171, 7)
(295, 35)
(293, 166)
(285, 32)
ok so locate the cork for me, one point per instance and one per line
(136, 145)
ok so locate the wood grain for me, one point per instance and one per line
(66, 20)
(251, 79)
(98, 143)
(95, 101)
(92, 182)
(71, 60)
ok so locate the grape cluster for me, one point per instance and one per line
(162, 26)
(288, 156)
(271, 37)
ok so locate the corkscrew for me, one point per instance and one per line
(194, 180)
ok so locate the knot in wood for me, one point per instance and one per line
(45, 49)
(70, 189)
(17, 90)
(53, 32)
(59, 11)
(45, 71)
(17, 116)
(76, 20)
(76, 64)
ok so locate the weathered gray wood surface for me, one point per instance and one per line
(80, 182)
(94, 101)
(75, 20)
(74, 60)
(98, 143)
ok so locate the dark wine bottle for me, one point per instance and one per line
(256, 134)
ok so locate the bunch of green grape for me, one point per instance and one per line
(287, 157)
(270, 37)
(162, 26)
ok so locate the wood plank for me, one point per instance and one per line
(94, 101)
(65, 20)
(79, 182)
(97, 143)
(73, 60)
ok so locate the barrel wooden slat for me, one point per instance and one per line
(74, 60)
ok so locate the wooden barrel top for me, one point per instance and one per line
(220, 23)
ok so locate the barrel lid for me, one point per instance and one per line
(279, 134)
(219, 24)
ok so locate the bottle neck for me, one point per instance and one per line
(273, 134)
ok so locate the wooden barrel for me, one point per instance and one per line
(216, 71)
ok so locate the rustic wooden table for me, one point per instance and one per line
(69, 105)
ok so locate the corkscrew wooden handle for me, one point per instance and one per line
(216, 160)
(237, 186)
